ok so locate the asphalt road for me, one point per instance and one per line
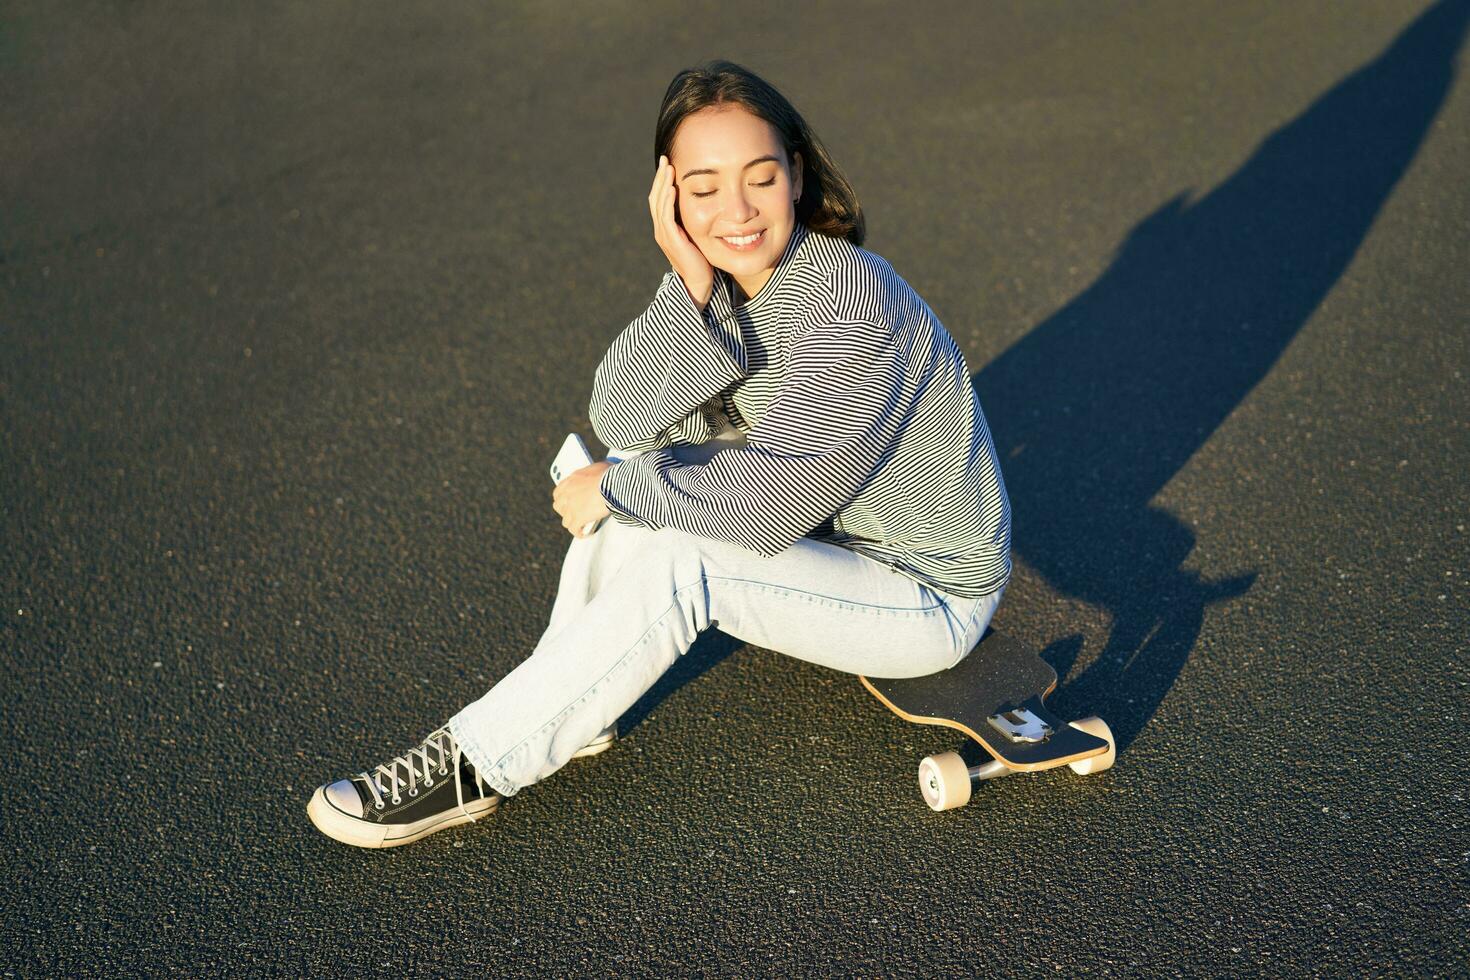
(296, 300)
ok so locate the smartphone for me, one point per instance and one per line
(572, 456)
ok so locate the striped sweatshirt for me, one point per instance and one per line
(861, 425)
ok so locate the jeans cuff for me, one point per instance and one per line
(472, 751)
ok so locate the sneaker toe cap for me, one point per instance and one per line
(343, 796)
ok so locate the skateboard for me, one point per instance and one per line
(997, 696)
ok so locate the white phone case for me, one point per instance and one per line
(572, 456)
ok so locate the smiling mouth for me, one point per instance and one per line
(745, 241)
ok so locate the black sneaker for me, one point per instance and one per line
(428, 788)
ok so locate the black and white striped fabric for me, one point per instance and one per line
(861, 425)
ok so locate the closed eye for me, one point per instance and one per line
(766, 183)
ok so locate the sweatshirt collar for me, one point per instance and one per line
(721, 300)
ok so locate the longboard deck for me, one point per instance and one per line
(998, 676)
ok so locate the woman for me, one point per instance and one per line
(798, 457)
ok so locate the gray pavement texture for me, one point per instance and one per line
(296, 300)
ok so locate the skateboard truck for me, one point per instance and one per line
(1021, 724)
(932, 775)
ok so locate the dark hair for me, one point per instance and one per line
(828, 203)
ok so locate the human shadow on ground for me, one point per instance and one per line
(1098, 407)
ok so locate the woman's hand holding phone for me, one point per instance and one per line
(686, 258)
(579, 501)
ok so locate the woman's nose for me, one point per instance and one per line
(741, 209)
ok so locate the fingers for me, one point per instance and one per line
(661, 207)
(668, 190)
(671, 197)
(658, 179)
(662, 181)
(653, 191)
(562, 505)
(661, 228)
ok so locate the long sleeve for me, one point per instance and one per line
(821, 440)
(661, 373)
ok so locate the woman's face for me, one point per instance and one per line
(734, 182)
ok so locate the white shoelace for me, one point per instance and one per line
(388, 778)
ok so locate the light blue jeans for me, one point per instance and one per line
(632, 600)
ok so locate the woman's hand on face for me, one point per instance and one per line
(686, 258)
(578, 500)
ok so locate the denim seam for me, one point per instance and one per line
(922, 614)
(829, 600)
(974, 613)
(606, 674)
(952, 621)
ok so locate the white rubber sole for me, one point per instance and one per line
(360, 833)
(601, 743)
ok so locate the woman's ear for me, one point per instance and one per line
(797, 170)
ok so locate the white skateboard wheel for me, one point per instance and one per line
(944, 781)
(1093, 725)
